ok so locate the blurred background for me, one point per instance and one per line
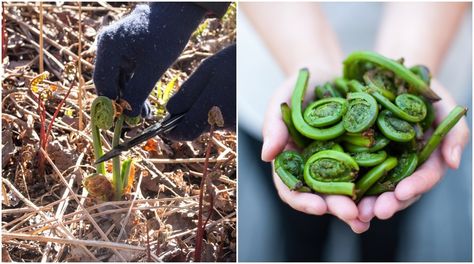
(436, 228)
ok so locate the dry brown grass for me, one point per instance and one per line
(52, 218)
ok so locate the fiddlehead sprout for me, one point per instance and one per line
(318, 146)
(375, 80)
(412, 105)
(103, 112)
(289, 167)
(407, 106)
(365, 139)
(326, 91)
(325, 112)
(430, 115)
(444, 127)
(372, 176)
(407, 164)
(297, 117)
(341, 86)
(366, 159)
(380, 143)
(102, 116)
(422, 72)
(331, 172)
(362, 112)
(353, 69)
(394, 128)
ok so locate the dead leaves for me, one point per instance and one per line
(171, 236)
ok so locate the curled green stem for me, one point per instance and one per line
(297, 116)
(377, 84)
(326, 91)
(394, 128)
(430, 115)
(353, 65)
(341, 86)
(362, 112)
(444, 127)
(299, 139)
(408, 107)
(380, 143)
(359, 139)
(325, 112)
(289, 167)
(422, 72)
(318, 146)
(366, 159)
(407, 164)
(102, 116)
(331, 172)
(372, 176)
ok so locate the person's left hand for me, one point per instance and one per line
(212, 84)
(429, 174)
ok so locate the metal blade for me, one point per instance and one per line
(111, 154)
(150, 132)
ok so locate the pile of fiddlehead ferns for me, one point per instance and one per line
(364, 133)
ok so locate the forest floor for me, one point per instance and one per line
(49, 216)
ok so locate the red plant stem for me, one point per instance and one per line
(200, 226)
(211, 209)
(58, 108)
(4, 33)
(44, 133)
(41, 113)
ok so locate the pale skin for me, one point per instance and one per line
(295, 41)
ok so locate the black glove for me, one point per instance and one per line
(212, 84)
(134, 52)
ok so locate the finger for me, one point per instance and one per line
(342, 207)
(421, 180)
(107, 67)
(457, 138)
(304, 202)
(275, 133)
(454, 142)
(358, 226)
(387, 205)
(366, 208)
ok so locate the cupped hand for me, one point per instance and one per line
(276, 139)
(429, 174)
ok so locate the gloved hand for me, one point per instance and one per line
(212, 84)
(135, 51)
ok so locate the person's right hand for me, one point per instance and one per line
(276, 139)
(212, 84)
(135, 51)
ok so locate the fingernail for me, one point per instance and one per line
(264, 150)
(456, 156)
